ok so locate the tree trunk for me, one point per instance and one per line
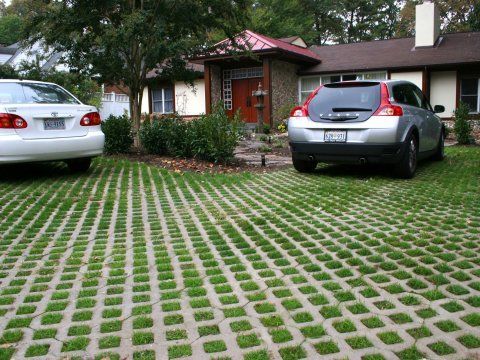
(136, 111)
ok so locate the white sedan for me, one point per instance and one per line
(43, 122)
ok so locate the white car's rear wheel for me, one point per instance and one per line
(79, 165)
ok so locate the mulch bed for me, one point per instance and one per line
(181, 165)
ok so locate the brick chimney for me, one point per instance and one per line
(427, 24)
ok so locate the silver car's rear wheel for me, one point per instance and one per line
(304, 166)
(408, 164)
(440, 152)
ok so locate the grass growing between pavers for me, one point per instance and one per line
(131, 258)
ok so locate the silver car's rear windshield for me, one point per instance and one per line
(361, 98)
(34, 93)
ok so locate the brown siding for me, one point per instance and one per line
(284, 86)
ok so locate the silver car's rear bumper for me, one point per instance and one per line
(348, 153)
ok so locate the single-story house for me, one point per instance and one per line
(446, 67)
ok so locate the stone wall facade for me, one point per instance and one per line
(474, 124)
(284, 92)
(216, 84)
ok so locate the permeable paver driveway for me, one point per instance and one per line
(131, 261)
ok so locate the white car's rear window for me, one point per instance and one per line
(34, 93)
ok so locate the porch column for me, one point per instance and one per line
(208, 89)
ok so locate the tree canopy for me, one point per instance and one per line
(122, 40)
(346, 21)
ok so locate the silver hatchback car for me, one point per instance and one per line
(388, 122)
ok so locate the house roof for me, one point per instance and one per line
(450, 49)
(258, 43)
(7, 50)
(198, 68)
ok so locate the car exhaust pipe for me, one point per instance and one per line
(363, 161)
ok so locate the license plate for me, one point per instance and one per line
(335, 136)
(57, 124)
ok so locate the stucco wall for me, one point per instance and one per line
(443, 91)
(284, 86)
(415, 77)
(190, 100)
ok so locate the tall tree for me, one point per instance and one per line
(474, 19)
(280, 18)
(121, 40)
(364, 20)
(10, 29)
(455, 16)
(325, 20)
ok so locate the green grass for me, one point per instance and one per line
(247, 340)
(344, 326)
(390, 338)
(358, 342)
(419, 332)
(78, 343)
(326, 347)
(176, 334)
(280, 335)
(243, 325)
(441, 348)
(201, 253)
(469, 341)
(178, 351)
(37, 350)
(214, 346)
(292, 353)
(142, 338)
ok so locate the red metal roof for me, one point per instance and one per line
(261, 43)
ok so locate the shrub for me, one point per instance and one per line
(266, 129)
(118, 134)
(212, 137)
(215, 135)
(166, 135)
(462, 128)
(154, 134)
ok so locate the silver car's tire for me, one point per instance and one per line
(79, 165)
(304, 166)
(408, 164)
(440, 152)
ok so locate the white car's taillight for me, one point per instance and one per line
(91, 119)
(12, 121)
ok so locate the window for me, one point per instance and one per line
(470, 93)
(405, 94)
(34, 93)
(358, 101)
(308, 84)
(421, 98)
(162, 100)
(234, 74)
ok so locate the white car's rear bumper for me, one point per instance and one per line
(13, 149)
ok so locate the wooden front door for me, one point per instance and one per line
(243, 99)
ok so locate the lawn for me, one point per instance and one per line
(134, 261)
